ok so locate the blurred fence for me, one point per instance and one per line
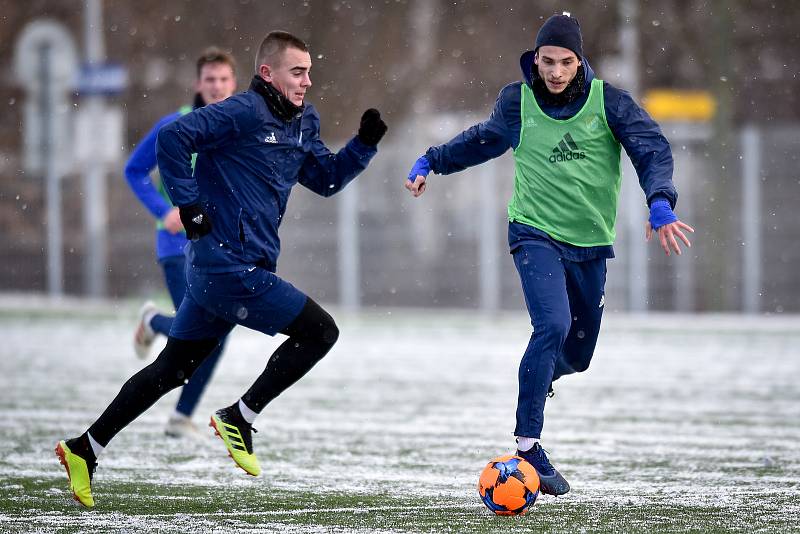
(376, 245)
(449, 248)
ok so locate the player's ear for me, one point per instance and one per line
(266, 72)
(536, 58)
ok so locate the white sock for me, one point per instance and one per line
(96, 447)
(148, 317)
(248, 414)
(525, 444)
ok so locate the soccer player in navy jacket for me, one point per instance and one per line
(251, 150)
(216, 81)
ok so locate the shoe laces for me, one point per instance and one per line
(231, 416)
(542, 463)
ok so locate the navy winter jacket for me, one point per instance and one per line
(248, 160)
(639, 134)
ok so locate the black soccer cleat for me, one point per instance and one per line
(550, 480)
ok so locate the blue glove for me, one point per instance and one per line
(421, 168)
(661, 213)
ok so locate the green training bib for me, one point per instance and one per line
(567, 173)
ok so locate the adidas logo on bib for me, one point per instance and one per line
(566, 150)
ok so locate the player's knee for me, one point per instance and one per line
(330, 332)
(582, 364)
(554, 326)
(577, 355)
(324, 336)
(314, 325)
(579, 349)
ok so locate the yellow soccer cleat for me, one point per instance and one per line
(79, 473)
(235, 432)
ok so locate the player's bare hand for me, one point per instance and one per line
(172, 221)
(417, 187)
(669, 234)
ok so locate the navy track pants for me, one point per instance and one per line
(565, 301)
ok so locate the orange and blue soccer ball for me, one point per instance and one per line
(508, 485)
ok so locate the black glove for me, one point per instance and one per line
(372, 127)
(195, 221)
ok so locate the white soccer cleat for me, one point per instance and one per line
(180, 426)
(145, 335)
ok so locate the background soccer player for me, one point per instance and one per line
(251, 150)
(566, 128)
(216, 81)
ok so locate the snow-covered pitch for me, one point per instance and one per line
(681, 423)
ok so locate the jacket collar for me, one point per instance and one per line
(279, 105)
(572, 92)
(578, 86)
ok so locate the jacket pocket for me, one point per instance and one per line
(242, 235)
(247, 238)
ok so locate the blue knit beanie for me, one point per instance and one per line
(561, 30)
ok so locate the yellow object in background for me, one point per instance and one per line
(677, 105)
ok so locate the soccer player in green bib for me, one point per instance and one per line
(567, 129)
